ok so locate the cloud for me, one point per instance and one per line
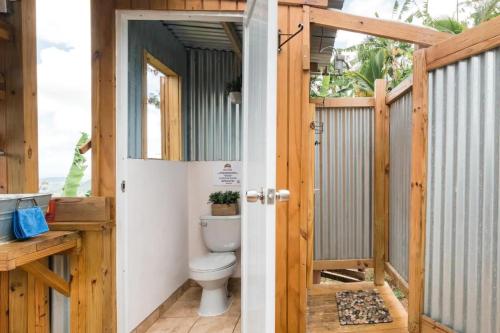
(64, 86)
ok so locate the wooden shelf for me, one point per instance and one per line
(81, 226)
(19, 253)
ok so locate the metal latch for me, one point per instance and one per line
(122, 186)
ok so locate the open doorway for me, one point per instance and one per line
(179, 145)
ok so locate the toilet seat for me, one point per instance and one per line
(212, 262)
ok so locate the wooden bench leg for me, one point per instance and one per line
(74, 294)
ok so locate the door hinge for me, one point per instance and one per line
(122, 186)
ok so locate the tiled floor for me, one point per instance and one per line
(183, 317)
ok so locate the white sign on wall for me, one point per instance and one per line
(227, 174)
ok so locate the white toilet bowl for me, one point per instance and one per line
(212, 272)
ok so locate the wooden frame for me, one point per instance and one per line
(398, 280)
(170, 109)
(381, 182)
(418, 194)
(471, 42)
(344, 102)
(377, 27)
(400, 90)
(432, 326)
(234, 38)
(320, 265)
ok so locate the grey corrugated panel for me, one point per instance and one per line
(210, 35)
(344, 184)
(399, 190)
(59, 304)
(214, 124)
(462, 277)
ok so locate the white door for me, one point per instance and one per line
(259, 165)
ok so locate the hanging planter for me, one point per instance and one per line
(233, 91)
(235, 97)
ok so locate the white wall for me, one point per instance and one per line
(164, 202)
(157, 236)
(200, 185)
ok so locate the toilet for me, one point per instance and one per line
(222, 236)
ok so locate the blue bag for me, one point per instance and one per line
(29, 222)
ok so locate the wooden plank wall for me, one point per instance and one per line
(293, 161)
(19, 167)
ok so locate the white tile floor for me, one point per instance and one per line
(182, 316)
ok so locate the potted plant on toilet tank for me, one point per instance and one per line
(224, 203)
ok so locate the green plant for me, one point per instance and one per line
(224, 198)
(77, 169)
(234, 86)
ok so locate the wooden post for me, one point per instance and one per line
(381, 191)
(418, 192)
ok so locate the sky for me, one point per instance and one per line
(63, 82)
(64, 72)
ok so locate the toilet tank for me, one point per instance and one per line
(221, 233)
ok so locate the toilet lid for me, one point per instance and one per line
(212, 262)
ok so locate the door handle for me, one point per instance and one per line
(282, 195)
(254, 196)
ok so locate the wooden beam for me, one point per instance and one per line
(312, 3)
(234, 38)
(398, 280)
(45, 275)
(376, 27)
(469, 43)
(418, 191)
(282, 225)
(399, 91)
(320, 265)
(310, 193)
(381, 181)
(431, 326)
(344, 102)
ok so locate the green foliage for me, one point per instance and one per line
(482, 10)
(77, 170)
(225, 198)
(234, 86)
(154, 99)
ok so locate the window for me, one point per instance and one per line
(64, 95)
(161, 115)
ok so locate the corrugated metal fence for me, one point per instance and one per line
(399, 190)
(213, 122)
(462, 272)
(344, 184)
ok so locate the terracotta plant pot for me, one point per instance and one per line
(225, 210)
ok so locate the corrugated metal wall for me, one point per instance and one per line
(462, 280)
(344, 184)
(399, 191)
(213, 123)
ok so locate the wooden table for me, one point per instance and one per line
(19, 253)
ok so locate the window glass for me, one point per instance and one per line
(154, 138)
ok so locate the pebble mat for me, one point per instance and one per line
(362, 307)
